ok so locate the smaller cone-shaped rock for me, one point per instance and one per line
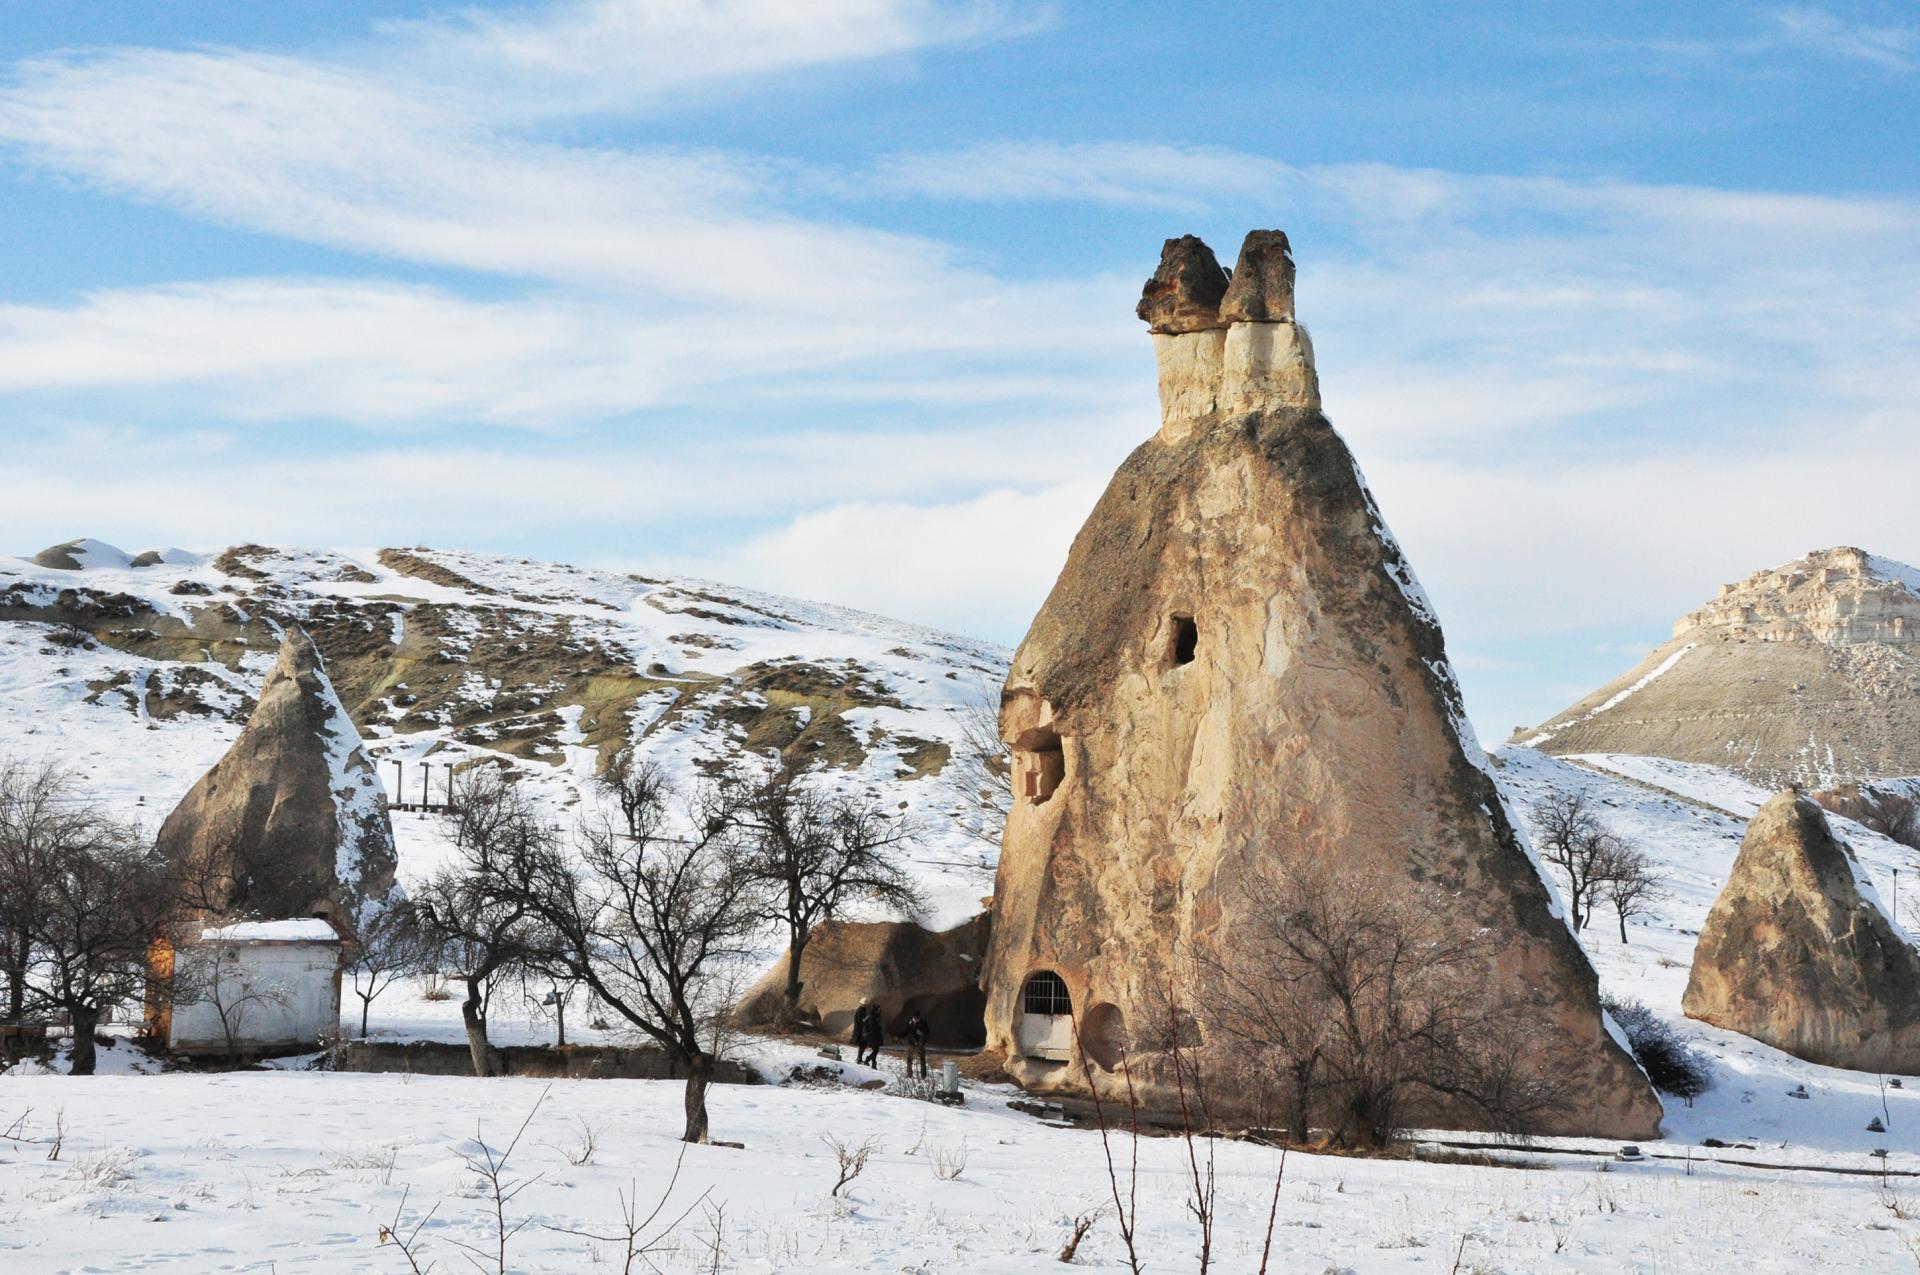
(292, 821)
(1799, 953)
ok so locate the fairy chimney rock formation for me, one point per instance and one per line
(1235, 673)
(1800, 953)
(292, 821)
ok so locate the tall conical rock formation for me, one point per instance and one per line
(1237, 670)
(1799, 952)
(291, 821)
(1808, 673)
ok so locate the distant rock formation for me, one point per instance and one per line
(1800, 953)
(1235, 670)
(78, 555)
(292, 821)
(1808, 673)
(897, 965)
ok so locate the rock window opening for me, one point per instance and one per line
(1186, 639)
(1040, 763)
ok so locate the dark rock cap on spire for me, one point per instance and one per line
(1184, 293)
(1262, 287)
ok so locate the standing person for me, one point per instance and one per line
(876, 1034)
(916, 1037)
(860, 1020)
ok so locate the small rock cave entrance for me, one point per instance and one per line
(1184, 642)
(1045, 1029)
(1103, 1035)
(1039, 763)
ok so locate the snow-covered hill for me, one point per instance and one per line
(139, 670)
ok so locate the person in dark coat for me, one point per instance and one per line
(876, 1035)
(860, 1020)
(916, 1037)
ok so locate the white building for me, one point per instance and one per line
(257, 987)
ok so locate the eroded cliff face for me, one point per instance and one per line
(292, 822)
(1236, 669)
(1798, 951)
(1806, 673)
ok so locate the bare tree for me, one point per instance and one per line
(1399, 986)
(655, 922)
(103, 902)
(988, 760)
(387, 945)
(816, 853)
(1570, 836)
(1632, 882)
(37, 819)
(478, 920)
(209, 972)
(633, 783)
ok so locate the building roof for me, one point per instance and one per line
(297, 930)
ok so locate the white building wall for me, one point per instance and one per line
(282, 996)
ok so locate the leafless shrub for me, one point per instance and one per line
(1081, 1225)
(948, 1162)
(491, 1168)
(580, 1152)
(408, 1242)
(638, 1238)
(851, 1160)
(1394, 984)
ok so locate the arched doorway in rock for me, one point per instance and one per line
(1045, 1029)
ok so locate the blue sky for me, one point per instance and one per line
(835, 298)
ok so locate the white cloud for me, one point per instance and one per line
(601, 54)
(970, 565)
(1817, 29)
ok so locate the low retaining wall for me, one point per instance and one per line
(574, 1062)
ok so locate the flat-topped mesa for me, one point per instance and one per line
(1226, 343)
(1842, 597)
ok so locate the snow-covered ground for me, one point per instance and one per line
(298, 1172)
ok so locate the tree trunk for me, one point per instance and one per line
(16, 981)
(85, 1019)
(699, 1076)
(796, 948)
(485, 1063)
(366, 1003)
(1623, 927)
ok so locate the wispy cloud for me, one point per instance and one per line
(1801, 30)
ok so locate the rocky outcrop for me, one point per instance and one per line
(1185, 291)
(1799, 952)
(897, 965)
(292, 821)
(1808, 673)
(1236, 672)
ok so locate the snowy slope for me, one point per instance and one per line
(140, 677)
(1690, 818)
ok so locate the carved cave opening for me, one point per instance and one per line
(1186, 640)
(1041, 763)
